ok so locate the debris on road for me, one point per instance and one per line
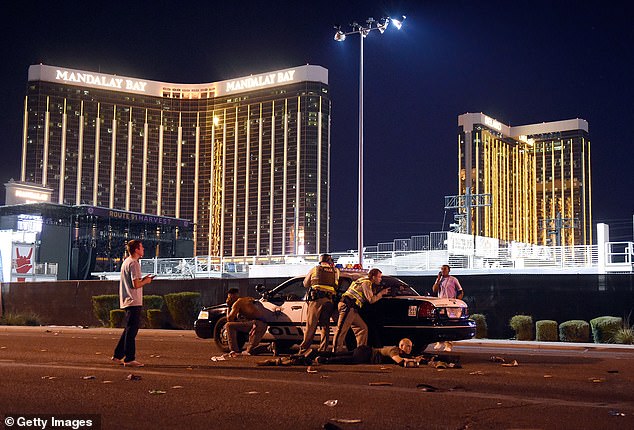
(157, 392)
(133, 377)
(427, 388)
(331, 402)
(496, 359)
(476, 372)
(380, 384)
(89, 377)
(514, 363)
(309, 369)
(346, 420)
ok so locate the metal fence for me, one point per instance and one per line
(617, 256)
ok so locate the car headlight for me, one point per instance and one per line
(203, 315)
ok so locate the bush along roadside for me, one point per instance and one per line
(102, 305)
(481, 325)
(604, 328)
(574, 331)
(523, 326)
(183, 308)
(546, 331)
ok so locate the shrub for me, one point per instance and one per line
(574, 331)
(30, 319)
(603, 328)
(102, 305)
(183, 308)
(546, 331)
(155, 318)
(117, 318)
(481, 325)
(153, 302)
(624, 335)
(523, 326)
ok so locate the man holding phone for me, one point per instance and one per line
(131, 300)
(447, 287)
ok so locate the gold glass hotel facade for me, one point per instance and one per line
(538, 177)
(247, 159)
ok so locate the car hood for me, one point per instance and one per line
(436, 301)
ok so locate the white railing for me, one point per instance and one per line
(526, 259)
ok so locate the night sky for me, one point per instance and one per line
(518, 62)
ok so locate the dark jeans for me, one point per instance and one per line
(127, 345)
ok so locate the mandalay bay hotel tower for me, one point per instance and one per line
(246, 159)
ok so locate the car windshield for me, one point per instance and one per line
(397, 287)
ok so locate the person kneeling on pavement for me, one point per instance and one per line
(401, 355)
(247, 315)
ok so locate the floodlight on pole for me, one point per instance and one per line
(340, 36)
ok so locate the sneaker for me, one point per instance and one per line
(117, 360)
(245, 352)
(133, 363)
(437, 346)
(448, 347)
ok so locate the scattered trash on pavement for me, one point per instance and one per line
(346, 420)
(548, 376)
(157, 392)
(218, 358)
(477, 372)
(89, 377)
(252, 392)
(380, 384)
(331, 402)
(596, 380)
(496, 359)
(133, 377)
(309, 369)
(514, 363)
(176, 387)
(427, 388)
(49, 377)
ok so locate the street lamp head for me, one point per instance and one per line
(340, 36)
(398, 22)
(382, 25)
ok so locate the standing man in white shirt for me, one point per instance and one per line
(447, 287)
(131, 300)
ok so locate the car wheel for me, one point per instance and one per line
(220, 336)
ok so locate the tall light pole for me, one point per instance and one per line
(340, 36)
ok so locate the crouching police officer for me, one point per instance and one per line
(322, 280)
(359, 293)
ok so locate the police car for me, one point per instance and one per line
(401, 313)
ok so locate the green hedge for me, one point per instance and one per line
(153, 302)
(481, 325)
(183, 308)
(102, 305)
(523, 326)
(574, 331)
(604, 328)
(155, 318)
(546, 331)
(117, 318)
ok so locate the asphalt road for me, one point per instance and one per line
(66, 372)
